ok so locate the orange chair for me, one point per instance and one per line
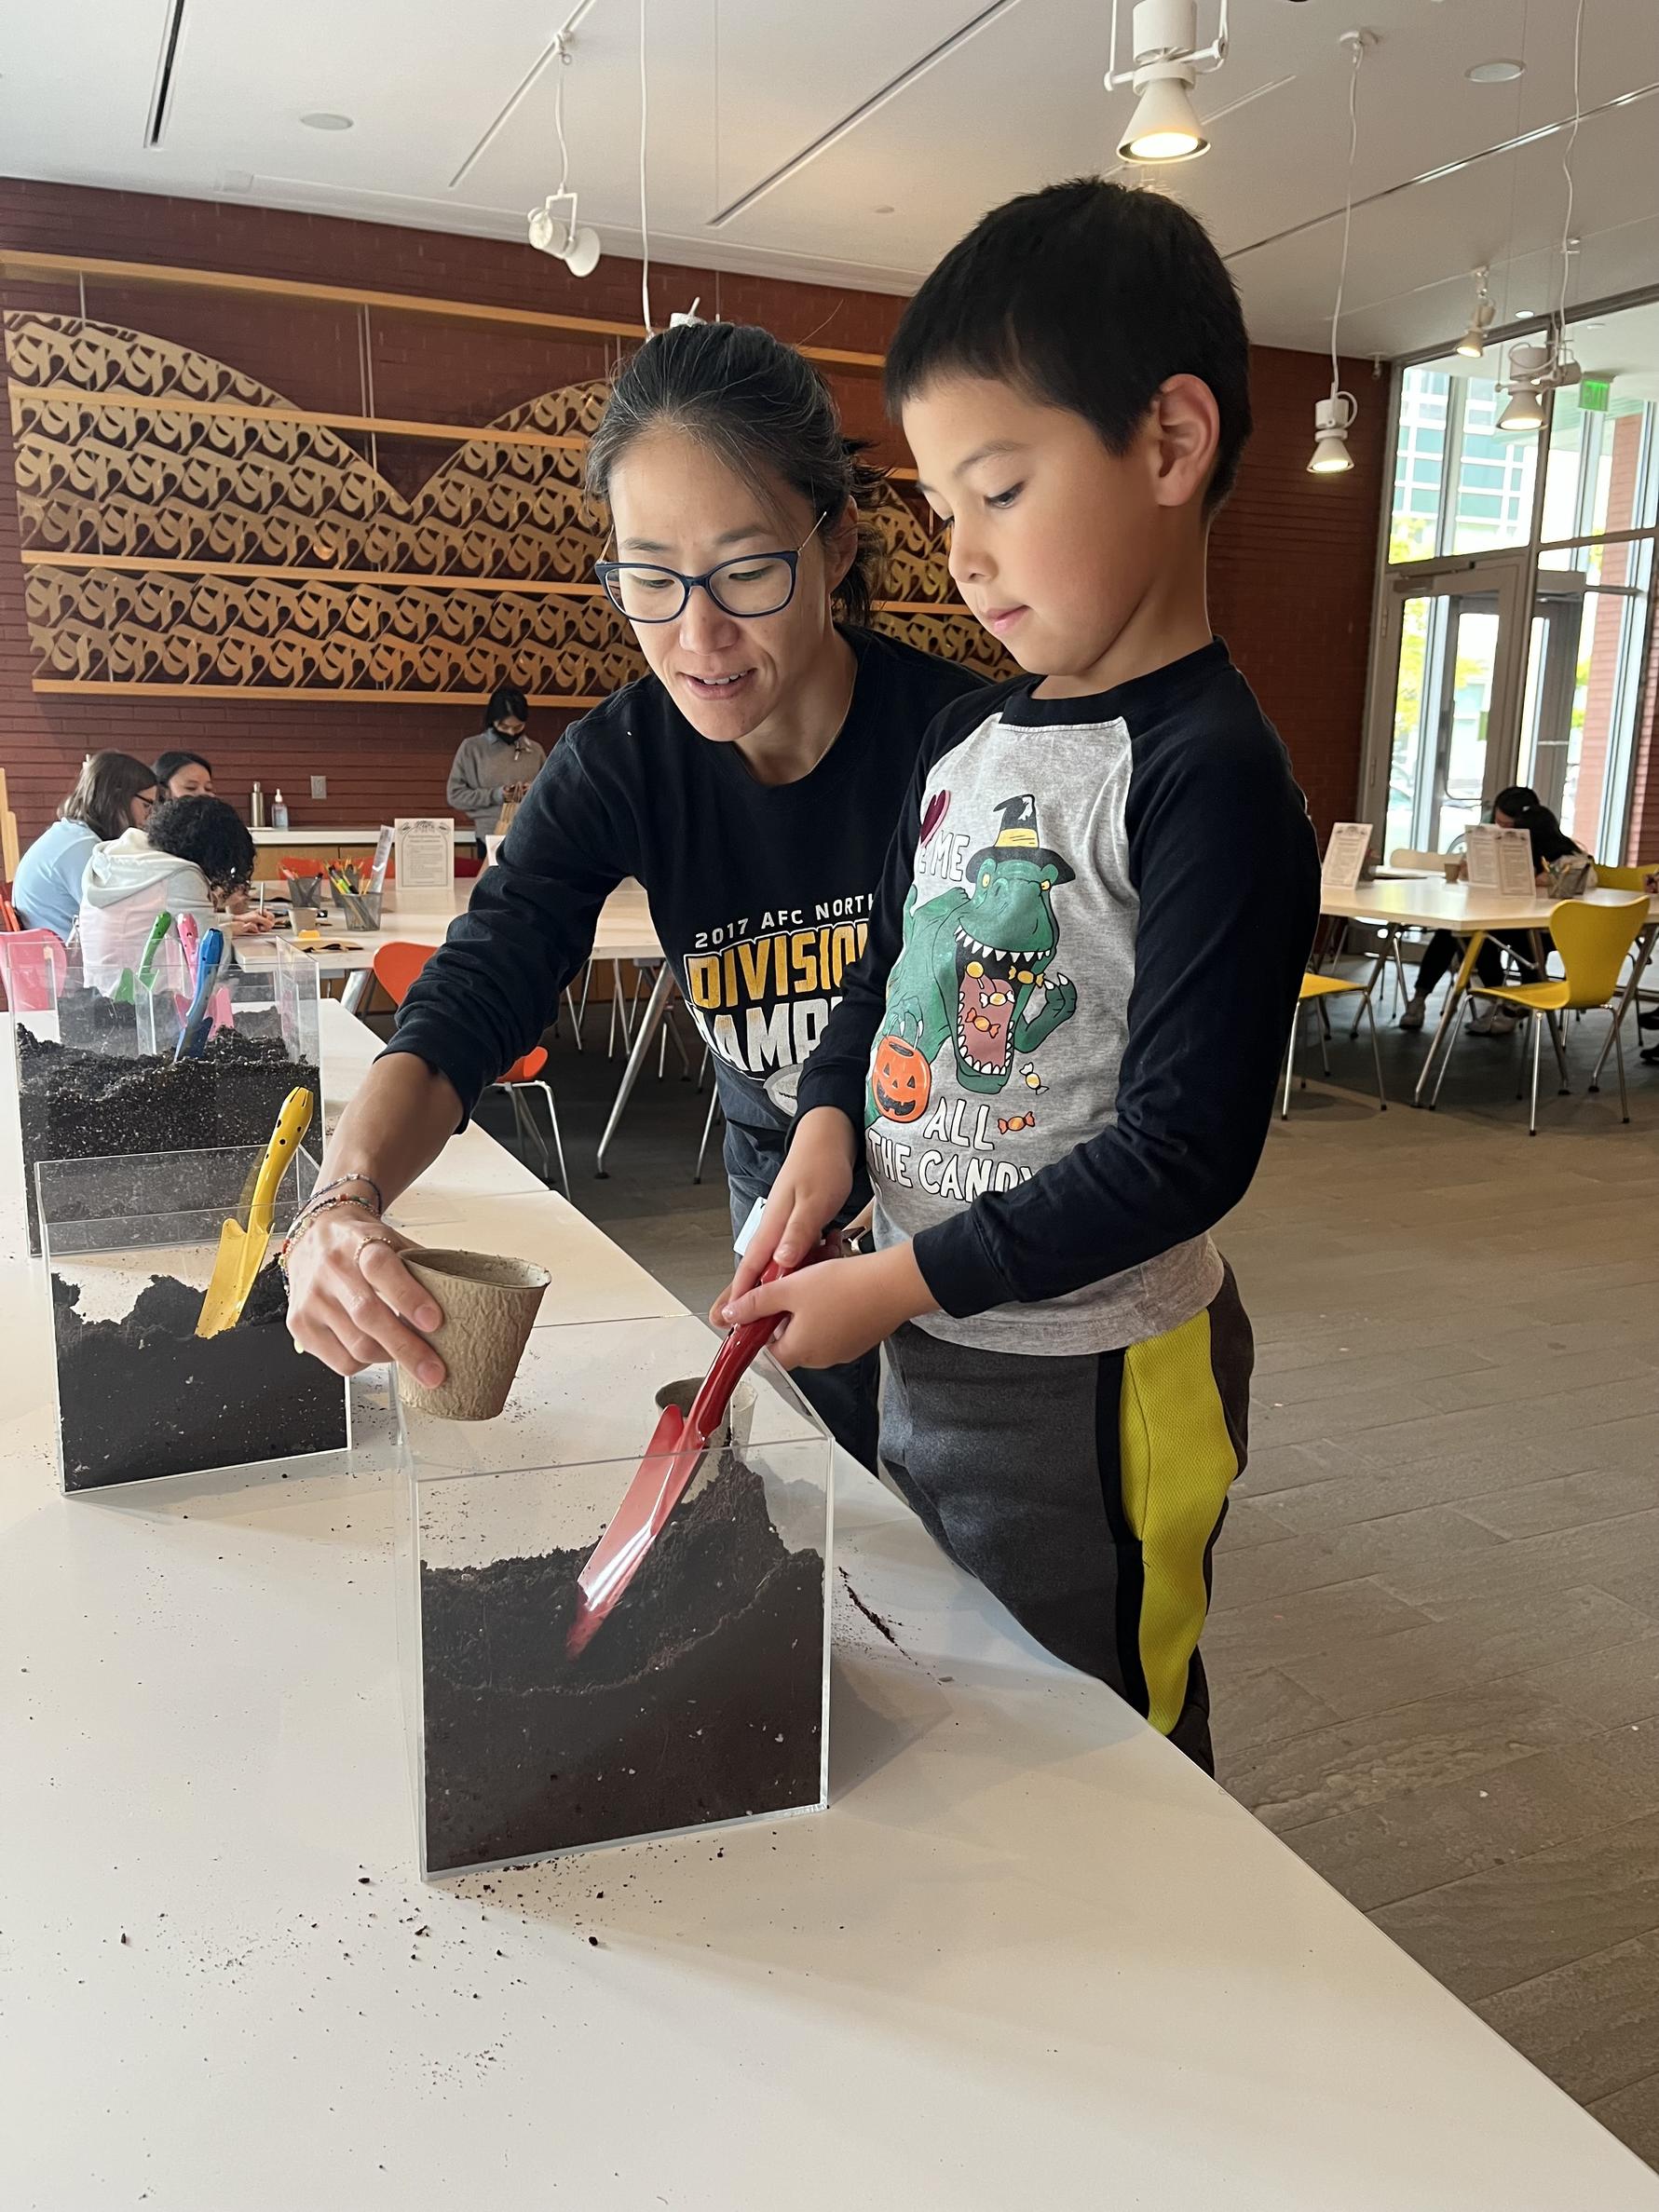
(9, 918)
(396, 966)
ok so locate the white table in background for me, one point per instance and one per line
(623, 936)
(1427, 903)
(1029, 1957)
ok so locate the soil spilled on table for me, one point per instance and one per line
(699, 1699)
(74, 1103)
(146, 1396)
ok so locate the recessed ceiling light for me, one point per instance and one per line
(885, 209)
(1498, 72)
(323, 120)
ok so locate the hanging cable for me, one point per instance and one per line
(644, 227)
(562, 57)
(1578, 110)
(1357, 51)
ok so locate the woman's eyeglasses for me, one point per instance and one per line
(753, 584)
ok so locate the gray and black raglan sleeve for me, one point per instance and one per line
(1223, 860)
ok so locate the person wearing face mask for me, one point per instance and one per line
(497, 765)
(751, 781)
(1516, 806)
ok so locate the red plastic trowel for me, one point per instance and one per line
(677, 1444)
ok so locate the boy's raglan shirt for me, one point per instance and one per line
(1063, 1043)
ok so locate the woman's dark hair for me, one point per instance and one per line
(168, 764)
(1088, 296)
(105, 792)
(508, 704)
(1516, 799)
(209, 832)
(757, 406)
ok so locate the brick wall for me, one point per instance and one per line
(1293, 555)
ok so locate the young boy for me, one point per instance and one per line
(1060, 1048)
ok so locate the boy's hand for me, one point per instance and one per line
(840, 1309)
(811, 1190)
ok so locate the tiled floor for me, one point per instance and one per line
(1436, 1638)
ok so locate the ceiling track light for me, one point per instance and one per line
(1334, 418)
(1534, 372)
(1167, 63)
(553, 227)
(1472, 345)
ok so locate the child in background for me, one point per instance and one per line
(1060, 1048)
(193, 858)
(113, 793)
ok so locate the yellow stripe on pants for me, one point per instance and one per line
(1177, 1464)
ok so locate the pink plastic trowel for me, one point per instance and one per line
(677, 1444)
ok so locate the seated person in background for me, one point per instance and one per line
(113, 793)
(499, 764)
(185, 776)
(193, 858)
(1518, 807)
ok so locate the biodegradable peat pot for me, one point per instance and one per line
(489, 1305)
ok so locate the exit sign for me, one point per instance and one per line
(1594, 393)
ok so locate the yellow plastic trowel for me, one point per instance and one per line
(241, 1251)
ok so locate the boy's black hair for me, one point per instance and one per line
(209, 832)
(508, 704)
(1089, 296)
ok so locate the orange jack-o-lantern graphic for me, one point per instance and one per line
(902, 1080)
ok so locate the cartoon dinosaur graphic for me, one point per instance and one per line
(975, 958)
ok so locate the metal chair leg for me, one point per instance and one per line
(1289, 1064)
(708, 1130)
(1537, 1048)
(1324, 1030)
(1619, 1055)
(576, 1018)
(1451, 1044)
(1377, 1059)
(523, 1127)
(1559, 1041)
(541, 1084)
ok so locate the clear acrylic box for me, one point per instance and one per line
(95, 1073)
(703, 1698)
(130, 1243)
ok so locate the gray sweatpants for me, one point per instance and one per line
(1086, 1493)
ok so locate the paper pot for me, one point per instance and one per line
(489, 1305)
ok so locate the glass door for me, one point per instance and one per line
(1451, 653)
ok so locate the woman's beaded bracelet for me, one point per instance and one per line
(339, 1183)
(310, 1213)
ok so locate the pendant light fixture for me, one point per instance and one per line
(553, 227)
(1333, 418)
(1530, 368)
(1472, 345)
(1167, 62)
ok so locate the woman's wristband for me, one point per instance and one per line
(314, 1212)
(339, 1183)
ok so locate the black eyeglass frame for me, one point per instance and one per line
(611, 572)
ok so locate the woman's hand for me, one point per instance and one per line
(252, 924)
(812, 1186)
(352, 1302)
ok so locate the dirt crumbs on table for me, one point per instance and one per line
(146, 1396)
(699, 1699)
(74, 1103)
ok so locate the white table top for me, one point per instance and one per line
(1430, 902)
(1029, 1957)
(320, 833)
(624, 932)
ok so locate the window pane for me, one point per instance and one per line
(1581, 699)
(1494, 473)
(1422, 440)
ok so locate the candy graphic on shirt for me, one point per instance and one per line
(1015, 1122)
(1032, 1081)
(974, 958)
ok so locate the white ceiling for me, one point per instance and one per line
(742, 89)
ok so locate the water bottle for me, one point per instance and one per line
(256, 804)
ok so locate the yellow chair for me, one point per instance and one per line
(1610, 878)
(1314, 991)
(1592, 942)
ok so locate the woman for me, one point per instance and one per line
(113, 793)
(499, 764)
(1516, 806)
(193, 858)
(751, 781)
(185, 776)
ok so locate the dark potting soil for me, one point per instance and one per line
(87, 1017)
(147, 1396)
(74, 1103)
(701, 1699)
